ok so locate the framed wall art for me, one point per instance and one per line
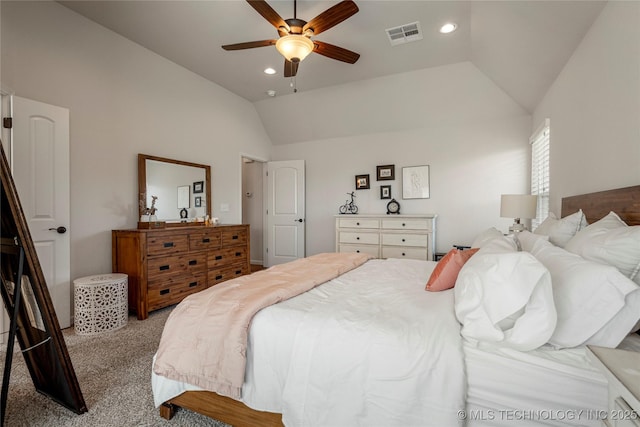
(362, 182)
(198, 202)
(385, 191)
(386, 173)
(415, 182)
(198, 187)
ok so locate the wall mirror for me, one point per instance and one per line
(166, 179)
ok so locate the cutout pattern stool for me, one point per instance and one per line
(100, 303)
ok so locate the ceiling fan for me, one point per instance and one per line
(295, 34)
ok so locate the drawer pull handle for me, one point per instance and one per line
(164, 267)
(238, 253)
(403, 240)
(234, 237)
(165, 291)
(403, 254)
(238, 271)
(403, 224)
(206, 240)
(218, 257)
(193, 284)
(357, 223)
(358, 238)
(193, 262)
(168, 244)
(358, 251)
(219, 276)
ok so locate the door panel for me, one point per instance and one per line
(285, 211)
(41, 173)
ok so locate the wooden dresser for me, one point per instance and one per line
(387, 236)
(166, 265)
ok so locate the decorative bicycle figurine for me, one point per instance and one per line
(349, 206)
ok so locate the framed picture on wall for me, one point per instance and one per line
(198, 187)
(386, 173)
(198, 202)
(415, 182)
(385, 191)
(362, 182)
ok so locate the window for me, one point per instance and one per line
(540, 171)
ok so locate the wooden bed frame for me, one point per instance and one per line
(624, 201)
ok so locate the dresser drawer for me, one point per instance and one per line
(218, 275)
(234, 237)
(360, 249)
(203, 240)
(361, 238)
(222, 257)
(358, 223)
(401, 239)
(166, 243)
(173, 290)
(404, 252)
(163, 267)
(406, 224)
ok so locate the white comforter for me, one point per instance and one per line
(371, 347)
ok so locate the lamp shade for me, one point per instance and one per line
(518, 206)
(294, 47)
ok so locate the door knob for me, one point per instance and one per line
(60, 230)
(298, 220)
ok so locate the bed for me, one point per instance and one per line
(476, 384)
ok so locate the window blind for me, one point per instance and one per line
(540, 171)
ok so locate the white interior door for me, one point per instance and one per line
(285, 211)
(41, 173)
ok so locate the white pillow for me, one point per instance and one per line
(587, 295)
(560, 231)
(528, 240)
(610, 241)
(505, 297)
(485, 237)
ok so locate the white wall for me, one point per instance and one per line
(594, 107)
(123, 100)
(473, 137)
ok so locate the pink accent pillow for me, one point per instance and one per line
(446, 272)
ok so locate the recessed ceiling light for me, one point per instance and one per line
(269, 71)
(447, 28)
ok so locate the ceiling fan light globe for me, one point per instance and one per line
(294, 47)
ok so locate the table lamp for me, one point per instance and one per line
(518, 206)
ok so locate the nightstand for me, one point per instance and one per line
(621, 368)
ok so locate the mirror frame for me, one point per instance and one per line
(142, 177)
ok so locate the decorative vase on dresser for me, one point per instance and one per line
(166, 265)
(385, 236)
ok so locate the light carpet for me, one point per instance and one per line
(114, 373)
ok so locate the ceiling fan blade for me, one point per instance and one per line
(332, 16)
(290, 68)
(249, 45)
(335, 52)
(267, 12)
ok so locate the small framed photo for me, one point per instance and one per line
(385, 191)
(198, 202)
(198, 187)
(362, 182)
(386, 172)
(415, 182)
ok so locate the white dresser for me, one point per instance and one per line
(387, 236)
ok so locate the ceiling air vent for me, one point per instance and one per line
(404, 33)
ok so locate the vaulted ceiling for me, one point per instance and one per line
(520, 45)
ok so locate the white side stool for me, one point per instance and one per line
(100, 303)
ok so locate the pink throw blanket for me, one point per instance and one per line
(205, 338)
